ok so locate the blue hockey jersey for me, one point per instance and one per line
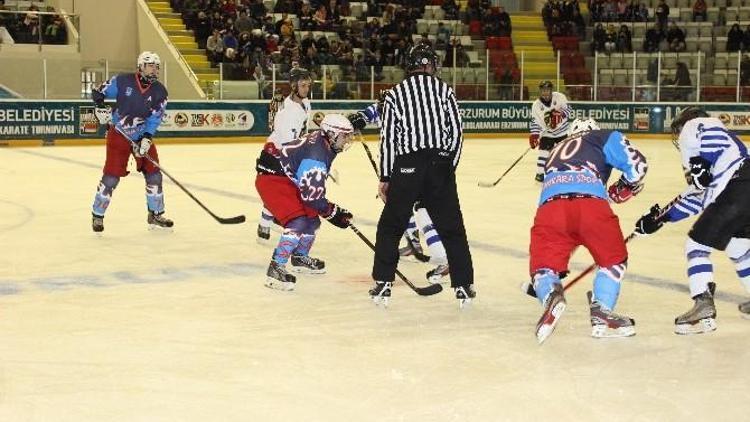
(307, 162)
(583, 162)
(137, 110)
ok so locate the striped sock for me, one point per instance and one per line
(738, 251)
(700, 270)
(434, 244)
(541, 161)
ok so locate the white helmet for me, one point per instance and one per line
(339, 131)
(581, 125)
(149, 57)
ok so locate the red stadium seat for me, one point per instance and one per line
(475, 28)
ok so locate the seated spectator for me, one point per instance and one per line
(734, 38)
(202, 28)
(55, 32)
(373, 8)
(746, 39)
(215, 47)
(651, 40)
(622, 10)
(322, 21)
(257, 10)
(610, 44)
(579, 24)
(230, 41)
(662, 14)
(600, 37)
(425, 40)
(624, 40)
(506, 84)
(243, 23)
(443, 36)
(503, 19)
(675, 38)
(699, 10)
(642, 15)
(371, 28)
(451, 9)
(681, 85)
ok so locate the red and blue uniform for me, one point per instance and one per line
(573, 210)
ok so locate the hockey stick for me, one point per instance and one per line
(493, 184)
(422, 291)
(369, 156)
(528, 287)
(230, 220)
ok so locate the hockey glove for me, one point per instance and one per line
(338, 216)
(103, 113)
(700, 171)
(358, 120)
(623, 190)
(650, 222)
(141, 147)
(533, 140)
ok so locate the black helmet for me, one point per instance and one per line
(546, 85)
(688, 114)
(419, 56)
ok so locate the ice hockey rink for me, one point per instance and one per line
(139, 325)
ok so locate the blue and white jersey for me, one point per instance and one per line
(582, 163)
(708, 138)
(371, 114)
(689, 203)
(307, 162)
(137, 109)
(542, 123)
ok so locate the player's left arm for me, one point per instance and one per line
(620, 154)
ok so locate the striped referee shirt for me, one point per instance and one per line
(419, 113)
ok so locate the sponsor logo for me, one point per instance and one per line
(181, 119)
(217, 120)
(725, 118)
(87, 123)
(199, 119)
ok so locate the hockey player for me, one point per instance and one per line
(291, 183)
(413, 247)
(140, 103)
(549, 123)
(289, 123)
(717, 164)
(573, 210)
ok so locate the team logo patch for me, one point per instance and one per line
(128, 91)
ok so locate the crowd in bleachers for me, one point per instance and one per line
(563, 18)
(249, 36)
(28, 26)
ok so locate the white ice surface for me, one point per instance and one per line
(148, 326)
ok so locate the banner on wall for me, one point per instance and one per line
(51, 120)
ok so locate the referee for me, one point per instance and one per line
(420, 145)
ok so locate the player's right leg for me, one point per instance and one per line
(115, 167)
(264, 225)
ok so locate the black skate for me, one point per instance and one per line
(465, 295)
(413, 249)
(554, 306)
(539, 178)
(605, 323)
(745, 310)
(97, 223)
(307, 264)
(438, 274)
(701, 318)
(278, 278)
(264, 233)
(158, 221)
(381, 292)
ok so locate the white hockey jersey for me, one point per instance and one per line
(290, 122)
(708, 138)
(541, 117)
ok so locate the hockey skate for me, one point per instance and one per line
(97, 223)
(465, 295)
(745, 310)
(158, 221)
(264, 234)
(381, 293)
(278, 278)
(702, 317)
(413, 250)
(605, 323)
(309, 265)
(539, 178)
(554, 306)
(438, 274)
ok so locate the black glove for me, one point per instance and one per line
(650, 222)
(338, 216)
(358, 120)
(700, 171)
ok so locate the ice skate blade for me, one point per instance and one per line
(706, 325)
(303, 270)
(548, 327)
(380, 301)
(602, 331)
(272, 283)
(156, 228)
(438, 279)
(464, 304)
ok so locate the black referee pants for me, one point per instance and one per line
(427, 176)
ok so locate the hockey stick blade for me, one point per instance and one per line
(422, 291)
(231, 220)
